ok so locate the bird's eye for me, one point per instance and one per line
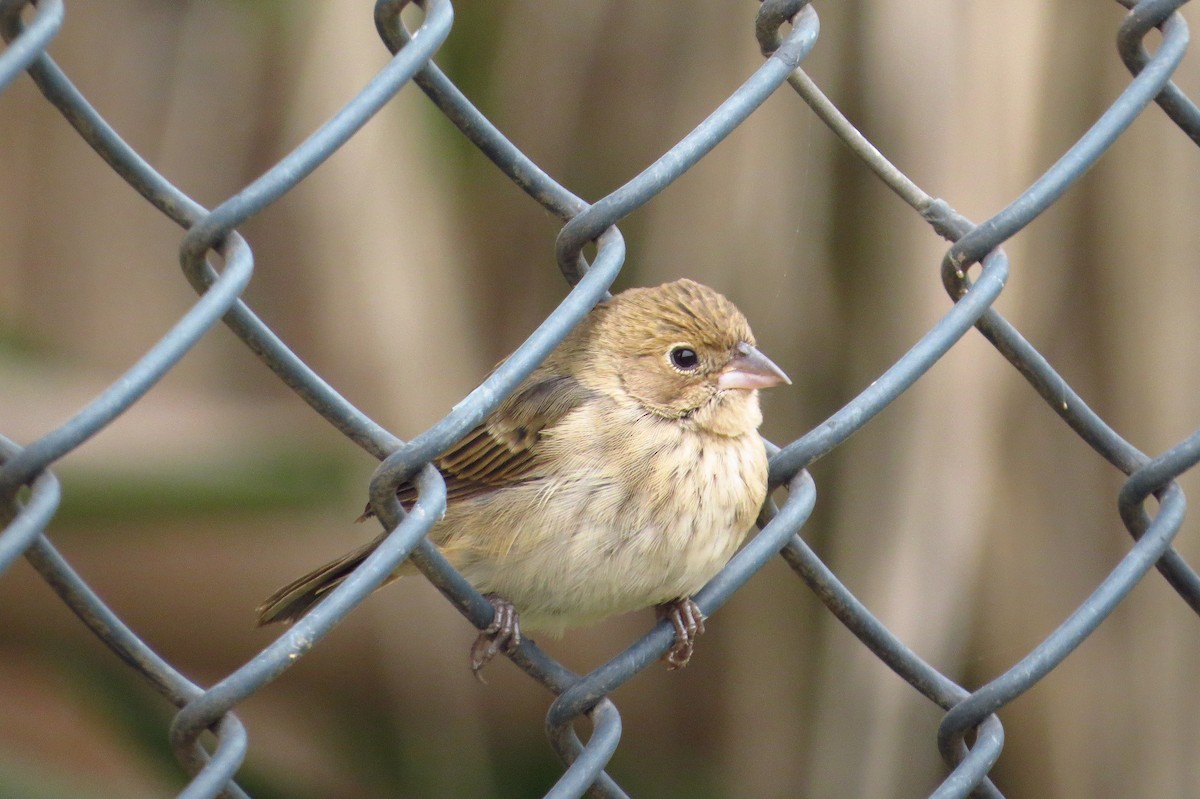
(684, 358)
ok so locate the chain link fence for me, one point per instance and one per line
(218, 263)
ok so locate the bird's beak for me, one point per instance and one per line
(750, 369)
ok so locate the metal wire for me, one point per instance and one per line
(787, 30)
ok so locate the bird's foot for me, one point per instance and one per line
(688, 621)
(502, 635)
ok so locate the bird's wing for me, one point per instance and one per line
(500, 452)
(503, 450)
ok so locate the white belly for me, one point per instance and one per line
(611, 546)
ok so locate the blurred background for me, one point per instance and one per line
(966, 516)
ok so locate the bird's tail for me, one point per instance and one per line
(297, 597)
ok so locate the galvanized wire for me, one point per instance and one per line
(787, 30)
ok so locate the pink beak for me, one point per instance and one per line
(750, 369)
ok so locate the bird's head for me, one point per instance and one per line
(681, 351)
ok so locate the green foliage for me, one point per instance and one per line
(258, 481)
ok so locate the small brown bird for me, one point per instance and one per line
(623, 473)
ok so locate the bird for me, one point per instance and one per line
(623, 473)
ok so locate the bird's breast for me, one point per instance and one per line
(621, 524)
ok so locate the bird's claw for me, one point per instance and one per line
(502, 635)
(688, 621)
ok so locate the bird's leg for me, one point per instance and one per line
(688, 621)
(502, 635)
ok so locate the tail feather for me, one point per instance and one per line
(297, 597)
